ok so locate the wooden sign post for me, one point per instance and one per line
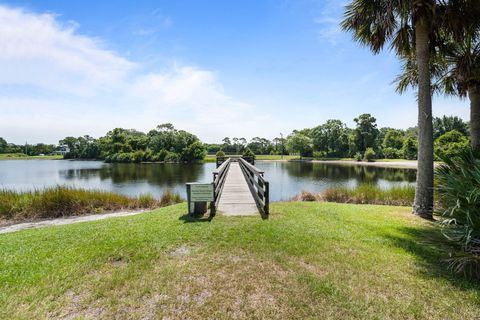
(198, 195)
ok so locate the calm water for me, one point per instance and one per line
(286, 178)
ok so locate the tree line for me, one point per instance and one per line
(334, 139)
(164, 143)
(27, 149)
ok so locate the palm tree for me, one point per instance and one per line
(411, 27)
(407, 26)
(456, 70)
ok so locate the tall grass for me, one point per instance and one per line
(363, 194)
(65, 201)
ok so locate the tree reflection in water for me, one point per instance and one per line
(287, 179)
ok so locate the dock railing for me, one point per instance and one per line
(219, 175)
(257, 184)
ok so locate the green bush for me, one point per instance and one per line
(458, 186)
(319, 154)
(392, 153)
(248, 153)
(172, 157)
(220, 153)
(148, 155)
(161, 155)
(358, 156)
(369, 155)
(450, 144)
(410, 149)
(194, 152)
(137, 156)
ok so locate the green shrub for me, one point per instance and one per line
(458, 186)
(220, 153)
(172, 157)
(194, 152)
(358, 156)
(148, 155)
(410, 149)
(123, 157)
(161, 155)
(392, 153)
(248, 153)
(369, 155)
(319, 154)
(450, 144)
(137, 156)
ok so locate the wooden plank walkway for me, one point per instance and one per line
(236, 198)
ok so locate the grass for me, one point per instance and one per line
(308, 261)
(363, 194)
(64, 201)
(371, 194)
(22, 156)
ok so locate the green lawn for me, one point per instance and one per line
(308, 261)
(21, 156)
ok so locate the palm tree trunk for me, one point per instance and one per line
(423, 205)
(474, 95)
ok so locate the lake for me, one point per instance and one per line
(287, 179)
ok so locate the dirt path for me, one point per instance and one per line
(66, 220)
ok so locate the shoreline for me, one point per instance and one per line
(400, 164)
(407, 164)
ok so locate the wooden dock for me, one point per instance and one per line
(236, 198)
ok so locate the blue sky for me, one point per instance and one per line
(215, 68)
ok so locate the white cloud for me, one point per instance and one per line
(57, 82)
(329, 21)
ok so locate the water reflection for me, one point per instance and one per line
(363, 174)
(154, 173)
(286, 178)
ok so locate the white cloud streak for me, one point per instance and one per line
(56, 82)
(329, 21)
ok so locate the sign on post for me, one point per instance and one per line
(198, 195)
(201, 192)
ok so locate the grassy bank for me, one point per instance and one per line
(308, 261)
(64, 201)
(22, 156)
(363, 194)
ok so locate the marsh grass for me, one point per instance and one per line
(65, 201)
(363, 194)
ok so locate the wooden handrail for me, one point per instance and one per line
(219, 176)
(257, 184)
(251, 167)
(222, 167)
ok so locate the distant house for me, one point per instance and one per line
(62, 150)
